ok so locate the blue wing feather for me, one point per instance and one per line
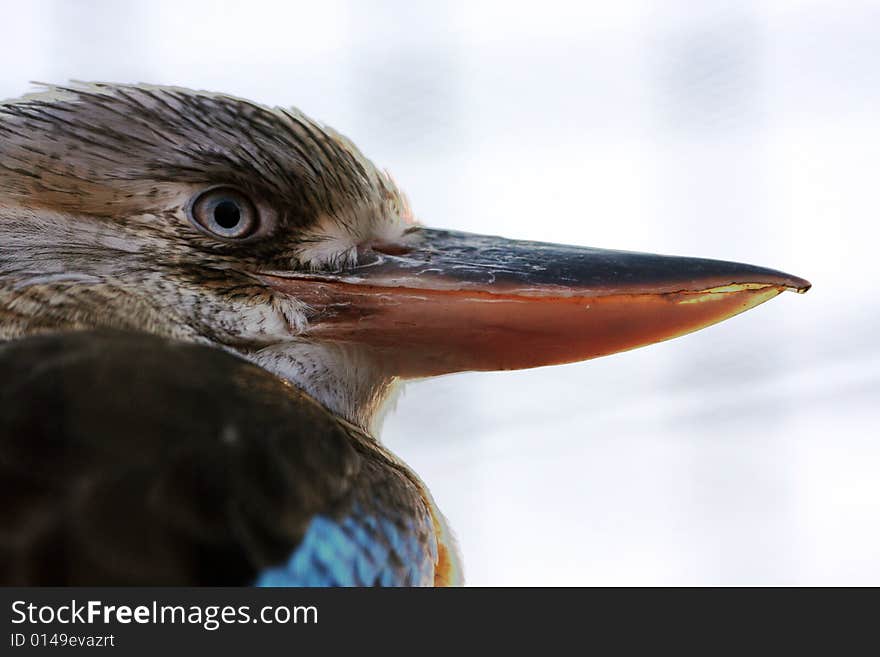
(358, 550)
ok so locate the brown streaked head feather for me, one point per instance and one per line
(96, 182)
(92, 148)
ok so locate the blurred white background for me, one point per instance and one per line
(748, 453)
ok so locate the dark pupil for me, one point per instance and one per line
(227, 214)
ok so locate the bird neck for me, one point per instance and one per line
(61, 273)
(350, 382)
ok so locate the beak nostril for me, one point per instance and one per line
(389, 248)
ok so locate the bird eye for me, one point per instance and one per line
(224, 212)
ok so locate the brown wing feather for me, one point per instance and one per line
(130, 459)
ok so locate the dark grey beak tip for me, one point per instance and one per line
(801, 285)
(788, 282)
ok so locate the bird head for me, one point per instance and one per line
(212, 219)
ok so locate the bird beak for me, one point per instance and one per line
(450, 301)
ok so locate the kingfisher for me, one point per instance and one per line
(205, 304)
